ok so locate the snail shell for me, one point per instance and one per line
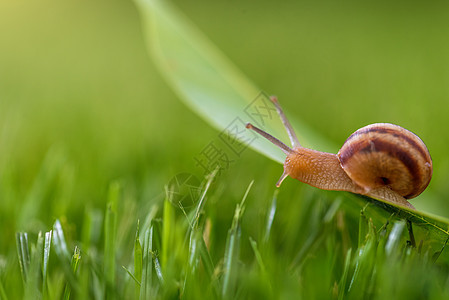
(385, 154)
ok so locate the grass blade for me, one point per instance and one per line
(315, 236)
(363, 228)
(344, 278)
(137, 262)
(263, 270)
(198, 248)
(61, 251)
(110, 230)
(202, 201)
(91, 235)
(158, 269)
(23, 254)
(230, 262)
(270, 216)
(196, 241)
(168, 227)
(131, 275)
(74, 266)
(232, 250)
(59, 242)
(47, 247)
(258, 256)
(364, 262)
(394, 238)
(32, 288)
(206, 258)
(147, 270)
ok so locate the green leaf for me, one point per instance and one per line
(215, 89)
(432, 229)
(208, 82)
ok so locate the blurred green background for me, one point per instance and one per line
(77, 85)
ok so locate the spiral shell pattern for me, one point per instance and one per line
(384, 154)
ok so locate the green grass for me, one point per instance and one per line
(186, 254)
(91, 137)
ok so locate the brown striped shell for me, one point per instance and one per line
(384, 154)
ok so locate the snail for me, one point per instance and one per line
(382, 161)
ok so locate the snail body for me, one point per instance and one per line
(383, 161)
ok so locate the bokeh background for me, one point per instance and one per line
(78, 87)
